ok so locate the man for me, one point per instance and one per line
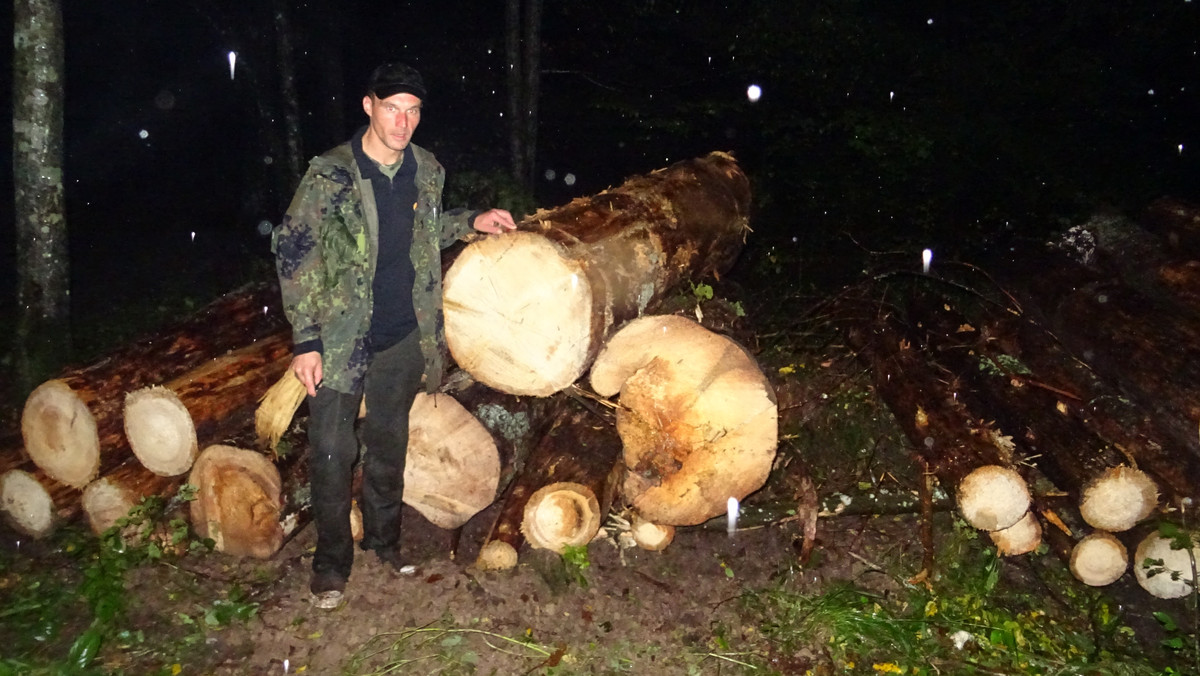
(359, 263)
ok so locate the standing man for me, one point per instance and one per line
(359, 263)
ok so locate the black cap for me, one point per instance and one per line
(395, 78)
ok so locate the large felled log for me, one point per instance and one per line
(964, 452)
(563, 491)
(698, 419)
(70, 422)
(166, 425)
(527, 312)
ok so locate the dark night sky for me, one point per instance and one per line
(615, 76)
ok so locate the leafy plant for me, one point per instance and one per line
(575, 559)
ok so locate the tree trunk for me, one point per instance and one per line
(166, 425)
(580, 456)
(697, 417)
(522, 51)
(293, 137)
(526, 312)
(43, 337)
(70, 422)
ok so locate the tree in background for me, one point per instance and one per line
(522, 50)
(43, 336)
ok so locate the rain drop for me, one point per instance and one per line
(232, 63)
(143, 134)
(754, 93)
(550, 174)
(569, 179)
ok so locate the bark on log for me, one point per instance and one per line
(579, 448)
(698, 418)
(166, 425)
(949, 439)
(527, 312)
(70, 423)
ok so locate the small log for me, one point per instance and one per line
(527, 312)
(1021, 538)
(113, 495)
(1164, 572)
(238, 501)
(70, 423)
(993, 497)
(651, 536)
(578, 448)
(698, 419)
(166, 425)
(560, 515)
(949, 439)
(33, 503)
(1099, 559)
(1118, 499)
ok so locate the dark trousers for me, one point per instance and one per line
(392, 382)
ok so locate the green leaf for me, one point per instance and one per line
(84, 649)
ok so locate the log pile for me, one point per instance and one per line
(1078, 381)
(527, 313)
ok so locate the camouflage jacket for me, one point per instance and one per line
(325, 253)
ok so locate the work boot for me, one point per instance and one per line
(392, 559)
(327, 590)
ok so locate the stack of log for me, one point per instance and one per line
(527, 314)
(1071, 370)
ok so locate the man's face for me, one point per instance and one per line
(393, 121)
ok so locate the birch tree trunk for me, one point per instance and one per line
(43, 336)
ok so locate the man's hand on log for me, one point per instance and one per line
(307, 368)
(494, 221)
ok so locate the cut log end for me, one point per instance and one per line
(496, 555)
(277, 408)
(521, 287)
(1164, 572)
(160, 431)
(1118, 499)
(560, 515)
(651, 536)
(26, 505)
(1099, 559)
(993, 497)
(105, 503)
(699, 420)
(1021, 538)
(453, 465)
(60, 434)
(237, 501)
